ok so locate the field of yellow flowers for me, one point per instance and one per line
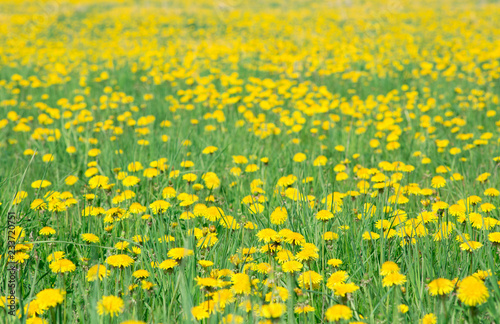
(249, 161)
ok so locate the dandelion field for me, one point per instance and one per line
(250, 162)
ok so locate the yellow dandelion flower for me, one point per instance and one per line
(291, 266)
(50, 298)
(241, 284)
(62, 266)
(119, 261)
(168, 264)
(440, 286)
(389, 267)
(47, 230)
(470, 246)
(392, 279)
(472, 291)
(97, 271)
(429, 319)
(179, 253)
(110, 305)
(310, 280)
(90, 238)
(337, 313)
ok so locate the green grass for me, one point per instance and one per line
(149, 50)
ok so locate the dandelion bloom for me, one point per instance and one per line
(141, 274)
(342, 289)
(429, 319)
(205, 263)
(324, 215)
(50, 298)
(241, 283)
(394, 278)
(389, 267)
(293, 238)
(90, 238)
(266, 235)
(482, 274)
(402, 308)
(310, 279)
(368, 236)
(335, 262)
(130, 181)
(338, 277)
(151, 173)
(284, 256)
(338, 312)
(190, 177)
(211, 180)
(168, 192)
(213, 213)
(168, 264)
(279, 216)
(273, 310)
(119, 260)
(251, 168)
(440, 286)
(203, 310)
(209, 150)
(121, 245)
(19, 197)
(472, 291)
(483, 177)
(47, 231)
(135, 166)
(320, 160)
(62, 266)
(239, 159)
(303, 309)
(492, 192)
(494, 237)
(110, 305)
(438, 182)
(38, 204)
(330, 236)
(470, 246)
(97, 271)
(291, 266)
(98, 181)
(40, 184)
(179, 253)
(32, 309)
(299, 157)
(306, 255)
(487, 207)
(54, 256)
(159, 206)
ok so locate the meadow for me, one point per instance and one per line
(249, 161)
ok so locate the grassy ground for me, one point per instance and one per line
(223, 161)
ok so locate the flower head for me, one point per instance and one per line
(310, 279)
(179, 253)
(97, 271)
(472, 291)
(62, 266)
(50, 298)
(338, 312)
(440, 286)
(119, 260)
(110, 305)
(394, 278)
(389, 267)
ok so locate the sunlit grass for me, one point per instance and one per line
(167, 161)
